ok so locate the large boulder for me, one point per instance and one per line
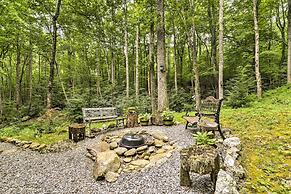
(159, 135)
(107, 161)
(99, 147)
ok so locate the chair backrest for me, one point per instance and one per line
(99, 113)
(211, 105)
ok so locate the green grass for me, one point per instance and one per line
(265, 132)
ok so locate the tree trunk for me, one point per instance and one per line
(257, 50)
(194, 62)
(30, 76)
(53, 56)
(98, 87)
(221, 62)
(17, 87)
(289, 43)
(152, 68)
(212, 26)
(175, 59)
(126, 49)
(137, 63)
(161, 72)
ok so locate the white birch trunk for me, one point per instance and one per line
(257, 50)
(221, 59)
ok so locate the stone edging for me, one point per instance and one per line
(42, 148)
(231, 174)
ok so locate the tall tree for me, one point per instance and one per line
(161, 59)
(53, 54)
(257, 49)
(152, 67)
(137, 63)
(30, 74)
(126, 47)
(221, 60)
(195, 68)
(18, 82)
(289, 43)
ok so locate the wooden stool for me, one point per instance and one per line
(77, 132)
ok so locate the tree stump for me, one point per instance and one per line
(201, 159)
(77, 132)
(132, 118)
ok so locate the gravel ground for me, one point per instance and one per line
(71, 171)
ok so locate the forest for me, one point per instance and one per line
(157, 55)
(102, 53)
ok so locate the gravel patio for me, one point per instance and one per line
(71, 171)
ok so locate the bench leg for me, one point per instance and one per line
(186, 127)
(220, 132)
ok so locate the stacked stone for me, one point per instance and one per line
(232, 172)
(108, 151)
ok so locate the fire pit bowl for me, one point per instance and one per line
(132, 141)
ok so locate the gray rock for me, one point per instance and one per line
(140, 163)
(130, 152)
(120, 150)
(113, 145)
(142, 148)
(151, 149)
(159, 143)
(127, 159)
(160, 136)
(232, 142)
(111, 177)
(225, 184)
(105, 162)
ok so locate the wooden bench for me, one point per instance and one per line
(210, 108)
(102, 114)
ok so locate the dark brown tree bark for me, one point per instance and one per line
(53, 55)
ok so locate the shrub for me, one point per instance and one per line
(239, 88)
(167, 115)
(203, 138)
(178, 101)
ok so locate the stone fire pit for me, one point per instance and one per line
(127, 152)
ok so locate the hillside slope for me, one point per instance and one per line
(265, 131)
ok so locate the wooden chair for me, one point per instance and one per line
(210, 108)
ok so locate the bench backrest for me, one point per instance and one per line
(99, 113)
(211, 105)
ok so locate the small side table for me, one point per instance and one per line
(77, 132)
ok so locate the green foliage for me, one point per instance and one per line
(74, 108)
(239, 88)
(204, 138)
(167, 115)
(145, 117)
(178, 101)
